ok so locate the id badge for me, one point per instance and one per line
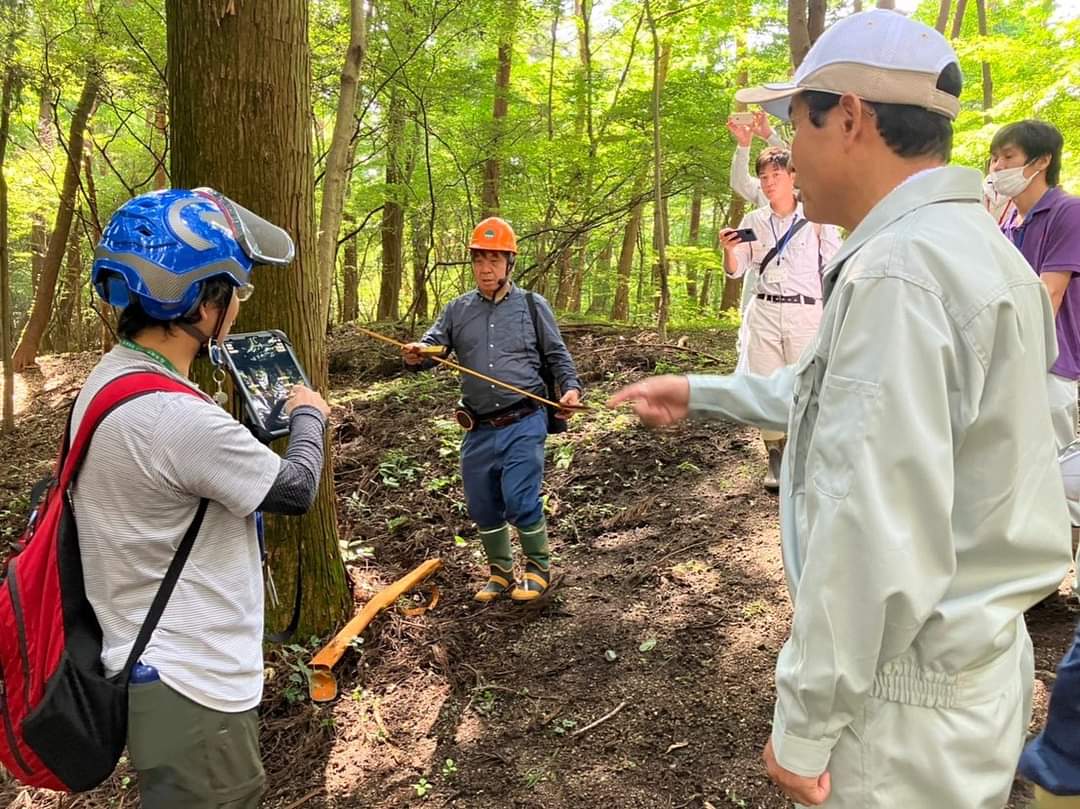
(775, 273)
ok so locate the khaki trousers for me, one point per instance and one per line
(777, 334)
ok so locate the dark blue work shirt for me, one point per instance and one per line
(498, 339)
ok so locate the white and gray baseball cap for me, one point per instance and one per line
(878, 55)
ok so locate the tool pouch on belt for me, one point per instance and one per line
(465, 418)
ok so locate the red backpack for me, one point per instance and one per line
(64, 721)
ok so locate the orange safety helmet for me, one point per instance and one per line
(494, 234)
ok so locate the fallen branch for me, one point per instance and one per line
(687, 349)
(599, 721)
(314, 793)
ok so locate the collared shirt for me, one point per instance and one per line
(497, 339)
(922, 507)
(1049, 238)
(796, 268)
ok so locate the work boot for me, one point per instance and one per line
(499, 583)
(772, 474)
(496, 543)
(534, 542)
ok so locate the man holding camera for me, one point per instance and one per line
(506, 333)
(784, 254)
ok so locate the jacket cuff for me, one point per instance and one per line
(704, 390)
(806, 757)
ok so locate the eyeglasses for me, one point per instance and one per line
(244, 292)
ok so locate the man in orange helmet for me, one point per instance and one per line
(506, 333)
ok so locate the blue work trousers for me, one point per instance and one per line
(502, 469)
(1053, 760)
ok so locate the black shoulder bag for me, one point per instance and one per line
(554, 425)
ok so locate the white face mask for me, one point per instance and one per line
(1011, 182)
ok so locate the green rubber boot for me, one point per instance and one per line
(534, 541)
(500, 581)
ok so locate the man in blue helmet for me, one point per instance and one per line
(178, 263)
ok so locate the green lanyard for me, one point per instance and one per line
(154, 355)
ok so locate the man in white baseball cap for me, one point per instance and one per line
(922, 508)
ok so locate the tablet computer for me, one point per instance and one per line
(264, 368)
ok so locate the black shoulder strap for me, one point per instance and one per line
(165, 589)
(540, 345)
(789, 236)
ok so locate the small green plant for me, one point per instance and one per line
(534, 777)
(564, 455)
(449, 769)
(397, 468)
(561, 727)
(423, 788)
(396, 523)
(755, 609)
(486, 703)
(355, 552)
(460, 541)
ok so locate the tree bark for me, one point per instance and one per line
(337, 158)
(987, 79)
(958, 20)
(798, 31)
(732, 295)
(161, 127)
(39, 234)
(695, 236)
(393, 213)
(7, 99)
(267, 166)
(889, 4)
(26, 351)
(420, 234)
(493, 165)
(350, 303)
(65, 330)
(620, 309)
(815, 21)
(661, 59)
(942, 23)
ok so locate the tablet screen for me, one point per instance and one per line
(266, 369)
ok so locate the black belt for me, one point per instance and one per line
(507, 416)
(787, 298)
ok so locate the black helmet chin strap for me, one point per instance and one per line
(205, 340)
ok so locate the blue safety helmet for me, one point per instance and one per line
(159, 248)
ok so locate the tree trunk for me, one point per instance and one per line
(815, 20)
(420, 234)
(958, 20)
(65, 329)
(889, 4)
(337, 158)
(987, 79)
(858, 6)
(798, 31)
(38, 321)
(393, 213)
(493, 166)
(106, 316)
(161, 127)
(620, 309)
(39, 235)
(267, 166)
(943, 16)
(661, 59)
(732, 296)
(695, 236)
(350, 303)
(7, 99)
